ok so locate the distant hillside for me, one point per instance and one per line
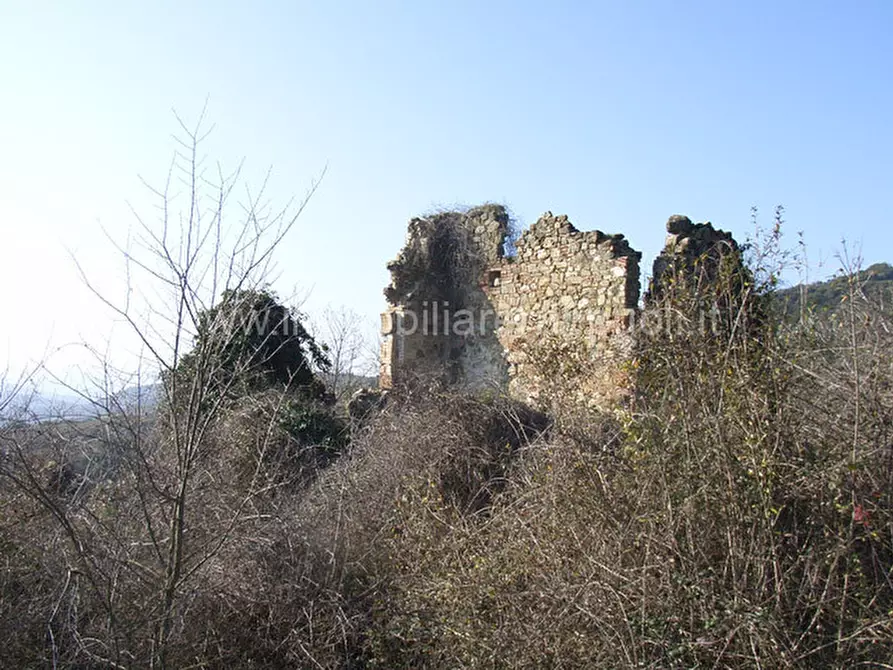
(876, 282)
(56, 404)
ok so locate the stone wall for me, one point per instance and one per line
(557, 314)
(691, 250)
(566, 301)
(436, 281)
(486, 321)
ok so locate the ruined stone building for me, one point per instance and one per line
(471, 307)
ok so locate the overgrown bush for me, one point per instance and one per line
(739, 515)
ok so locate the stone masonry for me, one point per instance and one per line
(463, 312)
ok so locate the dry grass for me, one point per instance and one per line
(736, 514)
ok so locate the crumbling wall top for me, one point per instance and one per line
(694, 239)
(549, 226)
(689, 246)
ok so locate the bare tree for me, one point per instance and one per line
(139, 548)
(351, 350)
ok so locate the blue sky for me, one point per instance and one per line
(617, 114)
